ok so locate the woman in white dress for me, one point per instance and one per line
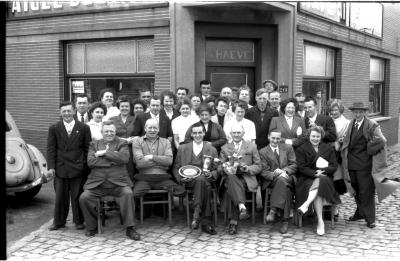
(181, 124)
(96, 115)
(239, 110)
(107, 98)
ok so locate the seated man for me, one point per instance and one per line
(107, 159)
(192, 154)
(241, 174)
(153, 157)
(278, 168)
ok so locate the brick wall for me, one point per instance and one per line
(35, 66)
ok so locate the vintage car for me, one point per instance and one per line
(26, 167)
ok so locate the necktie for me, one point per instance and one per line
(82, 118)
(237, 147)
(277, 155)
(356, 126)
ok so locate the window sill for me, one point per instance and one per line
(380, 118)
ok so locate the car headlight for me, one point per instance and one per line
(10, 159)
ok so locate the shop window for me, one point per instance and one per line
(319, 74)
(376, 85)
(125, 66)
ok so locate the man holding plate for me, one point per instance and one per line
(192, 159)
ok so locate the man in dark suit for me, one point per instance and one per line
(358, 154)
(107, 159)
(241, 175)
(261, 115)
(278, 161)
(67, 148)
(205, 89)
(312, 119)
(165, 130)
(82, 107)
(193, 154)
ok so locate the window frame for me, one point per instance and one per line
(382, 84)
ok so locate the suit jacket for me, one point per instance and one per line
(175, 113)
(217, 135)
(124, 130)
(86, 118)
(281, 124)
(184, 157)
(164, 125)
(327, 124)
(111, 167)
(254, 114)
(287, 162)
(250, 157)
(67, 154)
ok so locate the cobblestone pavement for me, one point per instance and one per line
(347, 240)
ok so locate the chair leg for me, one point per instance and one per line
(141, 209)
(300, 219)
(169, 209)
(187, 209)
(265, 206)
(333, 216)
(99, 221)
(253, 208)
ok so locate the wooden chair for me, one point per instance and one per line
(158, 192)
(327, 208)
(106, 203)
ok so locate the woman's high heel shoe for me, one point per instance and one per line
(302, 210)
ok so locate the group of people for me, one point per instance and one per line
(126, 148)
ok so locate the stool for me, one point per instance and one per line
(165, 201)
(102, 206)
(252, 201)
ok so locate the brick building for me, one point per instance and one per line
(55, 50)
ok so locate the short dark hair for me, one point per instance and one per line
(65, 103)
(310, 98)
(81, 95)
(240, 104)
(261, 91)
(198, 124)
(209, 99)
(204, 107)
(195, 95)
(103, 91)
(107, 123)
(285, 102)
(94, 106)
(205, 82)
(183, 88)
(155, 97)
(139, 101)
(219, 99)
(144, 90)
(185, 101)
(123, 98)
(167, 93)
(299, 94)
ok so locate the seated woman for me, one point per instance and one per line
(214, 132)
(316, 164)
(96, 114)
(290, 126)
(125, 126)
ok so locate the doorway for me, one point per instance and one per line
(221, 76)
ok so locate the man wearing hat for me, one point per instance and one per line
(363, 140)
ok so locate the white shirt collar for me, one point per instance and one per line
(71, 124)
(276, 148)
(359, 123)
(314, 118)
(197, 148)
(154, 116)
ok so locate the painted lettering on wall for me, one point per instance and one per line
(226, 54)
(229, 51)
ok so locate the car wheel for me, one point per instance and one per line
(28, 194)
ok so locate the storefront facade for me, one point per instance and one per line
(55, 51)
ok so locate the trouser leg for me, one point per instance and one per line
(76, 189)
(236, 192)
(281, 195)
(141, 188)
(202, 197)
(61, 206)
(354, 184)
(171, 186)
(124, 198)
(366, 195)
(88, 204)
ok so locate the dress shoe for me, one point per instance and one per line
(321, 228)
(91, 233)
(270, 217)
(132, 234)
(371, 224)
(232, 229)
(209, 229)
(336, 217)
(302, 210)
(355, 218)
(195, 224)
(284, 227)
(79, 226)
(56, 227)
(243, 214)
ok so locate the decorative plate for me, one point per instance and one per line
(189, 171)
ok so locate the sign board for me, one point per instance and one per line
(78, 86)
(283, 88)
(229, 51)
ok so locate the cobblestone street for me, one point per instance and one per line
(350, 240)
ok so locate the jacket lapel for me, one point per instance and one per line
(271, 155)
(63, 132)
(284, 123)
(74, 133)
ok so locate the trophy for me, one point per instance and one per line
(233, 163)
(207, 161)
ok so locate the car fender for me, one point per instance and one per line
(41, 163)
(21, 169)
